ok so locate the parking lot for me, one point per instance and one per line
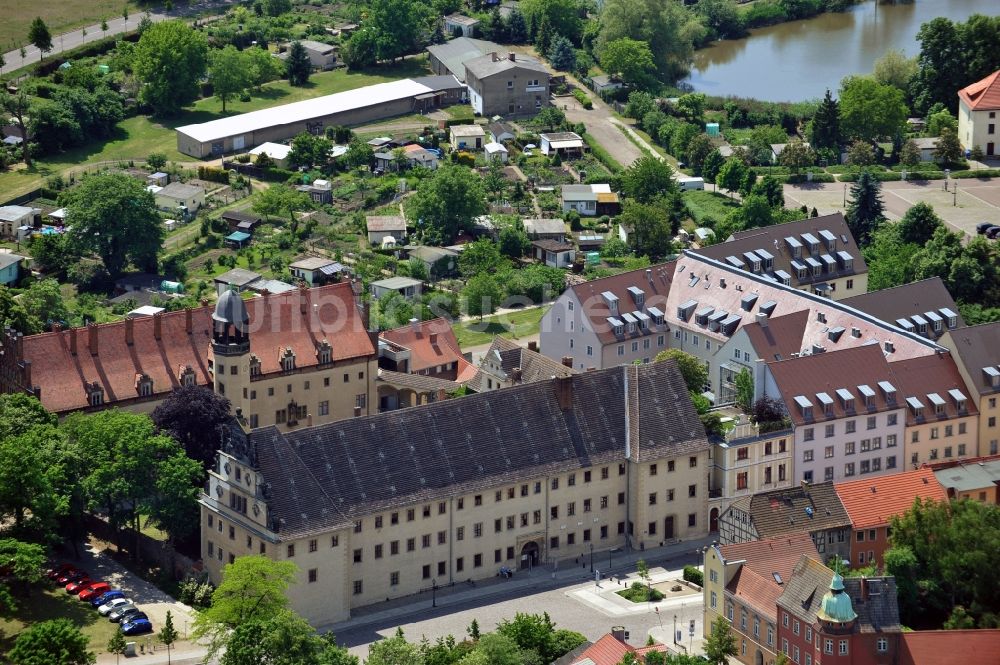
(975, 200)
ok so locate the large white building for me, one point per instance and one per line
(978, 105)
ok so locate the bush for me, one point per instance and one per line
(640, 593)
(464, 158)
(584, 100)
(980, 173)
(195, 593)
(693, 575)
(797, 178)
(213, 174)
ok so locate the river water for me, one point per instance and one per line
(799, 60)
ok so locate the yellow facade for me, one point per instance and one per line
(941, 440)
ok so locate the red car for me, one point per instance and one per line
(79, 585)
(61, 570)
(94, 590)
(71, 576)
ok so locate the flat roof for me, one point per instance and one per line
(396, 283)
(286, 114)
(272, 150)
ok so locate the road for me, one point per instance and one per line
(118, 25)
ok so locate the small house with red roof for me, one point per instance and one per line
(871, 502)
(978, 105)
(429, 348)
(609, 650)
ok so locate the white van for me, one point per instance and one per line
(687, 182)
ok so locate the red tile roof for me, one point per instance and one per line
(655, 284)
(872, 501)
(756, 591)
(431, 343)
(606, 651)
(983, 95)
(780, 337)
(276, 322)
(828, 372)
(776, 555)
(938, 373)
(950, 647)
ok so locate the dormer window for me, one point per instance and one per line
(287, 359)
(324, 353)
(186, 376)
(143, 385)
(916, 407)
(254, 365)
(95, 394)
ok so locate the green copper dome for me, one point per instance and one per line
(836, 605)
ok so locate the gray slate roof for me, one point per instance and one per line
(486, 65)
(783, 511)
(455, 53)
(904, 301)
(327, 476)
(977, 348)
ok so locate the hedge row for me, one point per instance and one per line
(798, 178)
(892, 176)
(978, 173)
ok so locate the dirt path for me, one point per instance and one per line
(604, 127)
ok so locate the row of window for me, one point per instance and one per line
(743, 453)
(850, 427)
(660, 342)
(933, 453)
(850, 447)
(873, 465)
(935, 432)
(743, 477)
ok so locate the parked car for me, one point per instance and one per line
(94, 590)
(115, 615)
(138, 627)
(70, 576)
(60, 570)
(106, 597)
(112, 605)
(993, 232)
(79, 585)
(981, 227)
(132, 615)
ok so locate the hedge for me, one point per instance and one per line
(798, 178)
(584, 100)
(978, 173)
(601, 154)
(892, 176)
(692, 574)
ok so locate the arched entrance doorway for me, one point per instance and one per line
(759, 660)
(713, 520)
(529, 555)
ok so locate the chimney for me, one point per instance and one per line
(72, 341)
(533, 346)
(619, 633)
(303, 298)
(568, 361)
(512, 56)
(722, 283)
(26, 365)
(188, 320)
(442, 395)
(649, 275)
(92, 338)
(204, 302)
(129, 335)
(415, 325)
(157, 326)
(515, 375)
(309, 419)
(762, 319)
(357, 411)
(57, 327)
(564, 391)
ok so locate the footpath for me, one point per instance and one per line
(523, 582)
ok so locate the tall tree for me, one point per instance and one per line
(297, 66)
(229, 73)
(712, 165)
(797, 156)
(865, 210)
(895, 69)
(281, 200)
(23, 564)
(824, 130)
(193, 416)
(517, 28)
(55, 642)
(691, 368)
(481, 257)
(39, 35)
(649, 229)
(648, 179)
(698, 149)
(168, 634)
(170, 59)
(668, 27)
(948, 149)
(732, 174)
(447, 202)
(482, 295)
(18, 107)
(253, 588)
(631, 60)
(919, 224)
(394, 650)
(283, 638)
(721, 643)
(117, 645)
(561, 54)
(941, 65)
(115, 217)
(561, 16)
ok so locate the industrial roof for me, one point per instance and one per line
(286, 114)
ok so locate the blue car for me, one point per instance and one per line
(107, 597)
(137, 627)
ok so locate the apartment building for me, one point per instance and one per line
(743, 583)
(817, 255)
(941, 421)
(977, 352)
(813, 509)
(847, 416)
(745, 461)
(292, 359)
(397, 503)
(871, 503)
(506, 84)
(924, 307)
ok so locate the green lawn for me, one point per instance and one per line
(139, 136)
(640, 592)
(62, 16)
(512, 326)
(703, 203)
(55, 603)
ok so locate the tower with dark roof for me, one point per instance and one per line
(231, 348)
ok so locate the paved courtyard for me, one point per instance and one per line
(569, 596)
(975, 200)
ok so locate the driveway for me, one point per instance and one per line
(601, 125)
(154, 602)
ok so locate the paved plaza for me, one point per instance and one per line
(568, 593)
(974, 201)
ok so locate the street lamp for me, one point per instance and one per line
(592, 557)
(434, 588)
(675, 629)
